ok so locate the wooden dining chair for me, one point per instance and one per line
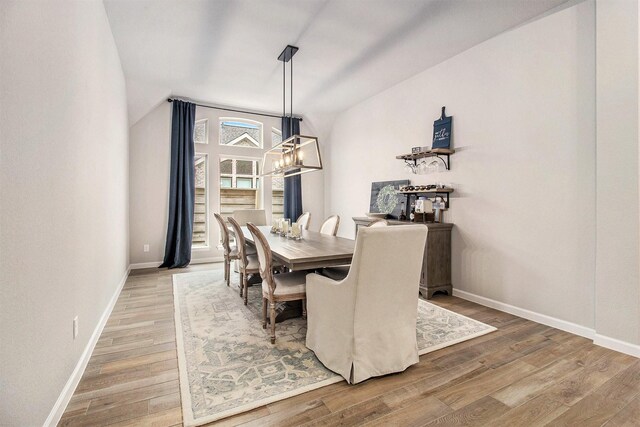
(330, 225)
(340, 272)
(248, 263)
(304, 220)
(229, 253)
(276, 287)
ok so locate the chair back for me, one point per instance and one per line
(264, 256)
(386, 268)
(303, 220)
(224, 234)
(378, 223)
(255, 216)
(240, 241)
(330, 225)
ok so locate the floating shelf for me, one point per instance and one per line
(431, 191)
(443, 192)
(440, 153)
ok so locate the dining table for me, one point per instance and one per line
(313, 251)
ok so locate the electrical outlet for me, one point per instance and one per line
(75, 327)
(146, 247)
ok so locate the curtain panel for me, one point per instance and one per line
(177, 251)
(292, 184)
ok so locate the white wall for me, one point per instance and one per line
(149, 185)
(524, 172)
(63, 194)
(618, 276)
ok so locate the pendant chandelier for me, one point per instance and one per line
(297, 154)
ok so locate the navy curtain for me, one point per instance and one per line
(292, 184)
(177, 250)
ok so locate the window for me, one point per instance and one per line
(201, 132)
(239, 182)
(239, 173)
(240, 133)
(200, 219)
(276, 137)
(277, 183)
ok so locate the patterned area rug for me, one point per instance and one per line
(228, 366)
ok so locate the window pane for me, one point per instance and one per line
(200, 226)
(200, 134)
(244, 183)
(241, 133)
(244, 167)
(276, 137)
(225, 166)
(225, 182)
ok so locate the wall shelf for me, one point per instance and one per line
(440, 153)
(435, 192)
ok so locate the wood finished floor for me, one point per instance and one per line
(524, 374)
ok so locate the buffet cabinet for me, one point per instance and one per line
(436, 266)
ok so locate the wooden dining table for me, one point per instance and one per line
(314, 250)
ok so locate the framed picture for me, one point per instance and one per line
(386, 199)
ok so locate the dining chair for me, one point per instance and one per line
(248, 262)
(276, 287)
(365, 325)
(341, 271)
(304, 220)
(330, 225)
(255, 216)
(229, 253)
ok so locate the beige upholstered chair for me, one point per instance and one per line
(330, 225)
(278, 287)
(304, 220)
(340, 272)
(229, 253)
(248, 262)
(365, 325)
(255, 216)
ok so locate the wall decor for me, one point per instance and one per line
(385, 197)
(442, 131)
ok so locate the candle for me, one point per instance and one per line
(287, 160)
(295, 230)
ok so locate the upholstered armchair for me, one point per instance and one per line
(365, 325)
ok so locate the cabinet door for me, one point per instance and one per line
(437, 259)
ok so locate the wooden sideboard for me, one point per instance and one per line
(436, 267)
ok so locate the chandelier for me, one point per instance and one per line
(297, 154)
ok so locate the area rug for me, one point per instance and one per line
(228, 366)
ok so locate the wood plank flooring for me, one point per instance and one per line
(524, 374)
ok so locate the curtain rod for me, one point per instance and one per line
(235, 111)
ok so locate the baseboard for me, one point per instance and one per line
(617, 345)
(528, 314)
(70, 387)
(156, 264)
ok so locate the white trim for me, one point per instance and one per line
(156, 264)
(70, 387)
(617, 345)
(527, 314)
(583, 331)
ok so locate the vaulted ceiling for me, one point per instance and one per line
(225, 51)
